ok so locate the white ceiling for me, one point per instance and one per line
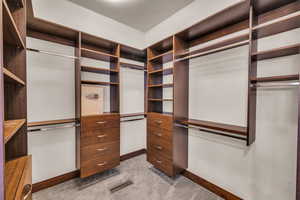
(139, 14)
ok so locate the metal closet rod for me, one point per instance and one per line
(51, 127)
(210, 131)
(52, 53)
(268, 85)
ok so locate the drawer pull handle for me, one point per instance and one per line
(158, 161)
(103, 149)
(159, 147)
(27, 190)
(158, 121)
(102, 122)
(102, 164)
(158, 134)
(101, 136)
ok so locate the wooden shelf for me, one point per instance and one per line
(162, 46)
(11, 127)
(103, 114)
(215, 48)
(168, 85)
(217, 126)
(277, 26)
(11, 33)
(164, 58)
(162, 113)
(133, 53)
(98, 55)
(132, 66)
(14, 170)
(99, 83)
(51, 122)
(166, 71)
(98, 70)
(278, 52)
(275, 78)
(12, 78)
(132, 115)
(159, 100)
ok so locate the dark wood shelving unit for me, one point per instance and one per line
(98, 70)
(11, 127)
(217, 126)
(278, 52)
(12, 78)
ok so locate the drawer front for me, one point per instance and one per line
(99, 165)
(100, 122)
(99, 136)
(160, 146)
(160, 133)
(160, 121)
(96, 151)
(24, 191)
(160, 163)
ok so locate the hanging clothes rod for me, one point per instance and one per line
(130, 120)
(52, 53)
(210, 131)
(53, 127)
(205, 53)
(275, 84)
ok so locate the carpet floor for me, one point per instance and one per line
(147, 184)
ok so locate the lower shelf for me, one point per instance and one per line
(11, 127)
(18, 178)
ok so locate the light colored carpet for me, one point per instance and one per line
(148, 184)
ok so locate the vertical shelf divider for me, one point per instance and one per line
(78, 96)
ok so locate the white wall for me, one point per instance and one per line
(71, 15)
(50, 96)
(133, 133)
(218, 84)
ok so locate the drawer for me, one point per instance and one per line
(160, 146)
(98, 122)
(99, 165)
(160, 133)
(99, 136)
(100, 150)
(160, 121)
(24, 191)
(160, 163)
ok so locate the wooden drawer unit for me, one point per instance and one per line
(161, 163)
(160, 133)
(99, 136)
(95, 151)
(98, 122)
(160, 121)
(98, 165)
(160, 146)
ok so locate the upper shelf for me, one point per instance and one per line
(217, 126)
(261, 6)
(132, 66)
(11, 127)
(166, 71)
(278, 52)
(52, 122)
(11, 33)
(229, 16)
(98, 70)
(133, 53)
(163, 58)
(99, 83)
(98, 55)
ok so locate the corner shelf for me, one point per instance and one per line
(164, 57)
(98, 70)
(98, 55)
(14, 170)
(51, 122)
(11, 77)
(99, 83)
(278, 52)
(217, 126)
(11, 33)
(11, 127)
